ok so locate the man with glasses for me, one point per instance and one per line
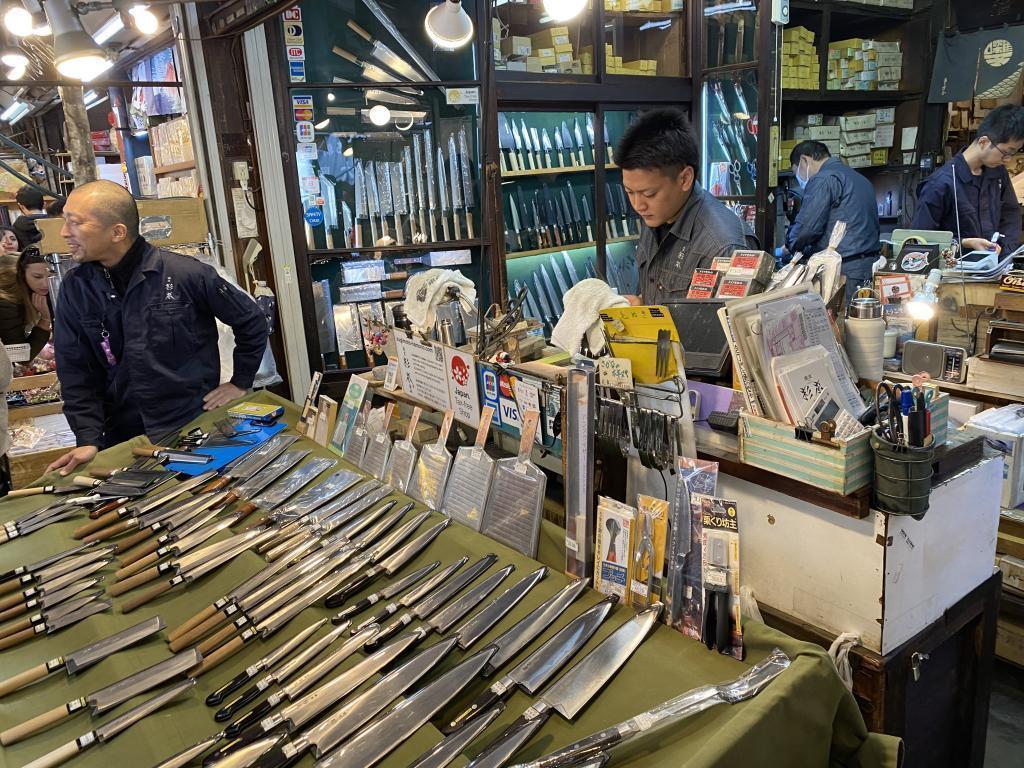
(972, 196)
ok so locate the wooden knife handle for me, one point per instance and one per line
(185, 626)
(135, 566)
(22, 492)
(228, 500)
(17, 638)
(130, 541)
(56, 757)
(15, 628)
(88, 482)
(114, 530)
(199, 631)
(360, 31)
(345, 54)
(215, 658)
(14, 585)
(145, 597)
(21, 680)
(104, 474)
(145, 451)
(215, 640)
(11, 613)
(35, 725)
(245, 510)
(219, 484)
(11, 600)
(137, 553)
(101, 521)
(132, 582)
(110, 506)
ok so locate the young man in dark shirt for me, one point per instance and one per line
(685, 228)
(972, 196)
(30, 204)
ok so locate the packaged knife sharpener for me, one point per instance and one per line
(720, 568)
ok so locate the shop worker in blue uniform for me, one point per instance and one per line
(135, 334)
(984, 201)
(832, 191)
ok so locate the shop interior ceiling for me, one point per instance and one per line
(121, 46)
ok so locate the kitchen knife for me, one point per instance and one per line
(456, 184)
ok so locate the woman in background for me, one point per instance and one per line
(24, 303)
(8, 240)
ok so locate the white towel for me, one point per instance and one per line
(424, 290)
(582, 304)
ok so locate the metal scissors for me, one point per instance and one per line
(892, 426)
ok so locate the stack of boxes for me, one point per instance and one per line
(646, 6)
(859, 139)
(171, 142)
(614, 65)
(185, 184)
(800, 67)
(864, 65)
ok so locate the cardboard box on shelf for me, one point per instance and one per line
(857, 122)
(885, 135)
(885, 115)
(515, 45)
(858, 161)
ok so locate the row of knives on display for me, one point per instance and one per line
(324, 539)
(543, 219)
(412, 199)
(543, 296)
(529, 149)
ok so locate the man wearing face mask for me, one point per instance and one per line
(984, 201)
(833, 192)
(685, 227)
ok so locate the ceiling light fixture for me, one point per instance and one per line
(16, 73)
(448, 25)
(17, 19)
(12, 56)
(563, 10)
(144, 20)
(26, 108)
(379, 114)
(75, 53)
(110, 28)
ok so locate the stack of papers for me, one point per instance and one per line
(1003, 265)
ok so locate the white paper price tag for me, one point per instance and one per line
(18, 353)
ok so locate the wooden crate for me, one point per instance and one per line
(27, 467)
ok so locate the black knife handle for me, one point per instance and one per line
(352, 610)
(575, 753)
(276, 758)
(227, 712)
(250, 718)
(247, 737)
(342, 595)
(232, 685)
(481, 703)
(388, 632)
(723, 628)
(500, 751)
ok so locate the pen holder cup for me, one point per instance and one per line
(903, 477)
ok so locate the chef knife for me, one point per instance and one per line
(567, 143)
(563, 287)
(481, 623)
(540, 666)
(373, 199)
(398, 199)
(545, 143)
(52, 593)
(360, 195)
(38, 565)
(414, 595)
(527, 144)
(428, 158)
(62, 616)
(573, 690)
(410, 183)
(578, 136)
(528, 236)
(382, 177)
(607, 143)
(504, 145)
(467, 182)
(57, 565)
(536, 145)
(556, 297)
(385, 55)
(588, 217)
(389, 591)
(456, 742)
(443, 193)
(624, 209)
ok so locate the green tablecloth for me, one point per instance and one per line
(805, 718)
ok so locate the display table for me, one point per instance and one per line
(805, 718)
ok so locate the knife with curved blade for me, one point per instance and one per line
(477, 626)
(454, 743)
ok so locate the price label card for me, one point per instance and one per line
(18, 353)
(615, 372)
(463, 95)
(392, 375)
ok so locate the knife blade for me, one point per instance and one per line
(45, 562)
(590, 136)
(545, 142)
(588, 216)
(467, 182)
(578, 135)
(360, 195)
(443, 193)
(456, 184)
(535, 142)
(567, 143)
(607, 143)
(537, 668)
(416, 594)
(418, 169)
(385, 55)
(428, 157)
(373, 744)
(573, 690)
(456, 742)
(527, 144)
(398, 198)
(58, 567)
(549, 316)
(389, 591)
(557, 272)
(573, 275)
(410, 181)
(504, 145)
(623, 209)
(382, 178)
(572, 221)
(447, 617)
(86, 656)
(556, 298)
(318, 495)
(530, 239)
(44, 602)
(481, 623)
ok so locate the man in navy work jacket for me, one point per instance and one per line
(135, 337)
(832, 191)
(984, 201)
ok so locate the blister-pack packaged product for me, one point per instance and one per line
(375, 460)
(516, 501)
(469, 483)
(403, 456)
(431, 472)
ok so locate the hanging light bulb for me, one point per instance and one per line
(17, 19)
(144, 19)
(448, 25)
(379, 114)
(75, 53)
(925, 301)
(16, 73)
(12, 56)
(563, 10)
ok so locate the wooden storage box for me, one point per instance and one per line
(27, 467)
(773, 446)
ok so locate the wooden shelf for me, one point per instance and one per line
(21, 383)
(570, 247)
(554, 171)
(393, 250)
(797, 95)
(853, 9)
(188, 165)
(639, 18)
(25, 412)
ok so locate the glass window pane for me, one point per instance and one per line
(730, 134)
(386, 167)
(730, 32)
(527, 39)
(372, 41)
(643, 41)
